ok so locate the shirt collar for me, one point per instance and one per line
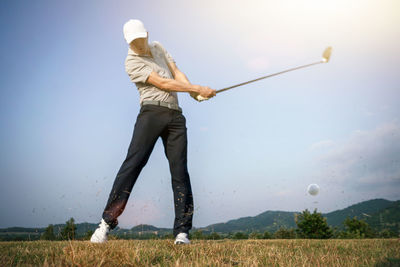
(131, 52)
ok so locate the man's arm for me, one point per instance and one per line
(180, 83)
(180, 76)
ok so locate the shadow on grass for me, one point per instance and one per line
(389, 262)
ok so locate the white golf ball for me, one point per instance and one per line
(313, 189)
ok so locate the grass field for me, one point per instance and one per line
(363, 252)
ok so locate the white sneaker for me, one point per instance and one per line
(182, 238)
(101, 233)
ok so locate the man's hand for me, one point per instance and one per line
(201, 93)
(194, 96)
(204, 93)
(197, 97)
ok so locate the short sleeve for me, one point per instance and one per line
(167, 55)
(137, 70)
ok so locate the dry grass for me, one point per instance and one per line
(372, 252)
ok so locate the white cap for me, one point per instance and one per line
(133, 29)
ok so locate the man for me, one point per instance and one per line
(158, 80)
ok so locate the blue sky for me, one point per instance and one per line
(67, 107)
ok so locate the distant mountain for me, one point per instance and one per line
(83, 228)
(386, 212)
(266, 221)
(21, 230)
(387, 218)
(362, 210)
(378, 213)
(142, 229)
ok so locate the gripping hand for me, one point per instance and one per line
(198, 97)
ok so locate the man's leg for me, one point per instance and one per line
(175, 145)
(148, 127)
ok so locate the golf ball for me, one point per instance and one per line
(313, 189)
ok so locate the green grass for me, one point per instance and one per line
(364, 252)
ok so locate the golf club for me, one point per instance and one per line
(325, 59)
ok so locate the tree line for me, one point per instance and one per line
(67, 233)
(309, 225)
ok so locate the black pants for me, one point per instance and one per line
(153, 122)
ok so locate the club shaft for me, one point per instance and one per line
(270, 75)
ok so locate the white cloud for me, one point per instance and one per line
(368, 160)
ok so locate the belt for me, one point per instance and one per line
(162, 104)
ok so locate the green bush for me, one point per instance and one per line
(69, 231)
(355, 228)
(214, 236)
(240, 235)
(255, 235)
(198, 234)
(267, 235)
(48, 233)
(284, 233)
(312, 225)
(386, 233)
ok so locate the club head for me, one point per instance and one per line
(327, 54)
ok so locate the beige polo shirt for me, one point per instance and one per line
(140, 67)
